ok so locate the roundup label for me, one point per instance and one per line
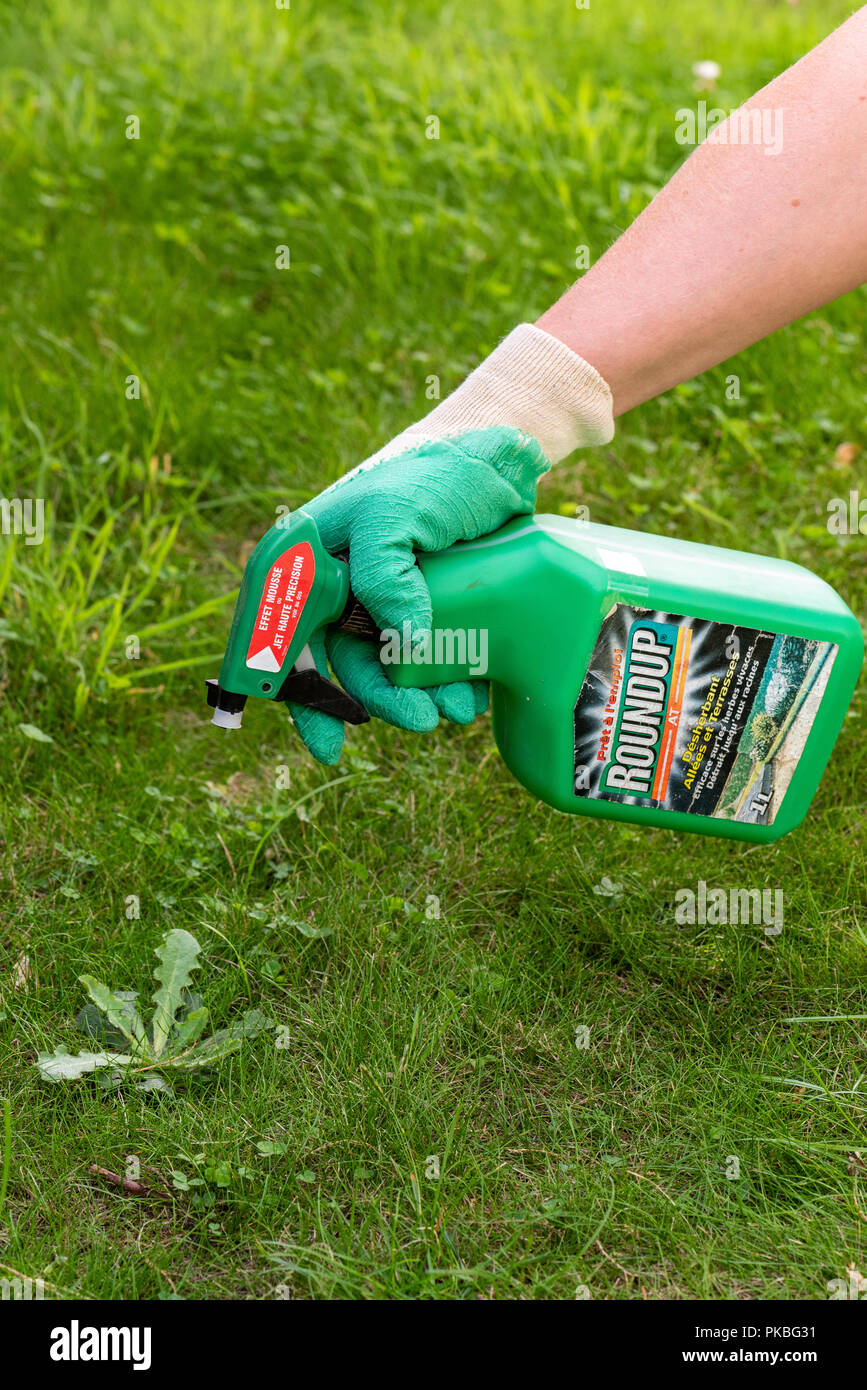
(285, 592)
(706, 718)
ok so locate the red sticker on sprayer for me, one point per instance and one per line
(286, 590)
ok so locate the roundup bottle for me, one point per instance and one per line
(633, 676)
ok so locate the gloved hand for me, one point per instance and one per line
(461, 472)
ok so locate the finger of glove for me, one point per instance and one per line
(360, 672)
(385, 577)
(321, 733)
(456, 701)
(331, 511)
(517, 458)
(481, 695)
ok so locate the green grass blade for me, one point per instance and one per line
(7, 1152)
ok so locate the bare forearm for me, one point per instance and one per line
(739, 242)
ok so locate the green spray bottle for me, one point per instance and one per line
(633, 676)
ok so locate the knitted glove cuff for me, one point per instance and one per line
(531, 382)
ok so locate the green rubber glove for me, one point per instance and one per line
(425, 498)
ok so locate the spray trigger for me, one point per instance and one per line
(304, 685)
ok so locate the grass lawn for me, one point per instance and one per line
(463, 934)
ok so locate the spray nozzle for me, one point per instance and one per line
(227, 706)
